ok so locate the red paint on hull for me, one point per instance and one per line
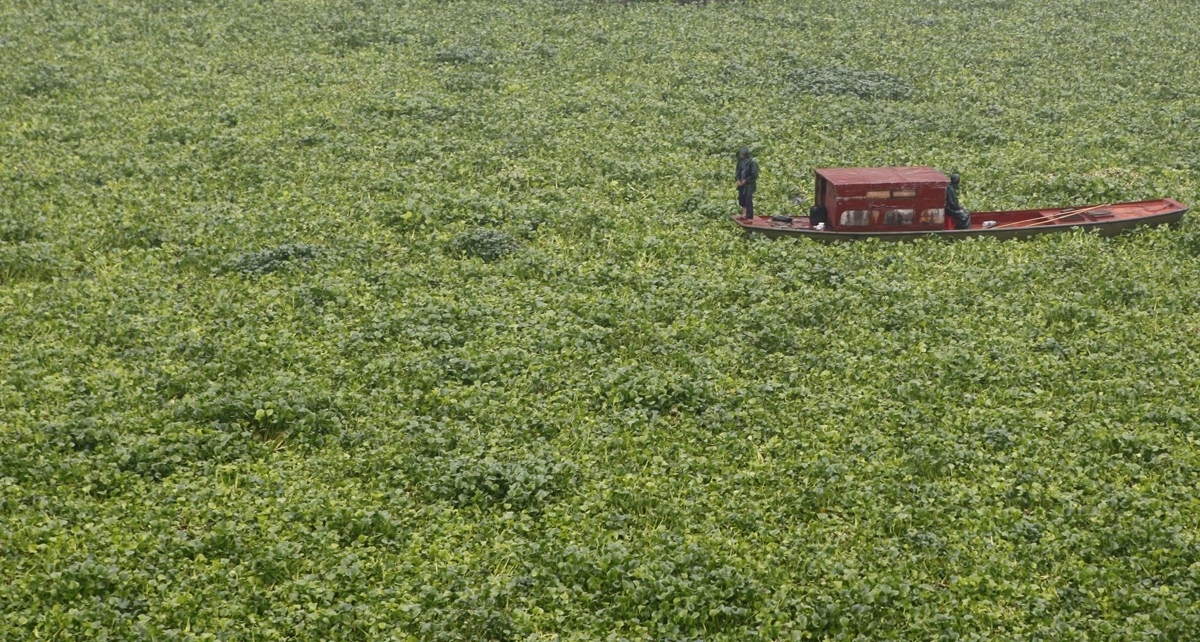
(1107, 219)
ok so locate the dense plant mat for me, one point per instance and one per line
(334, 320)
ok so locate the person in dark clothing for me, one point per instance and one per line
(818, 216)
(954, 209)
(746, 178)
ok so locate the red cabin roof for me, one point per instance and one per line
(882, 176)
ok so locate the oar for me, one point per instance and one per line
(1051, 219)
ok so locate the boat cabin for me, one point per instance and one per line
(884, 199)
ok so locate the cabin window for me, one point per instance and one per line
(856, 217)
(878, 194)
(899, 217)
(934, 216)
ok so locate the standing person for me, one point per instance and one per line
(962, 218)
(746, 178)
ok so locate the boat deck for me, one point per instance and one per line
(1109, 219)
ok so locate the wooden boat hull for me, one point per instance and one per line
(1107, 220)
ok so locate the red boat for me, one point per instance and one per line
(906, 203)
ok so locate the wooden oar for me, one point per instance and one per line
(1051, 219)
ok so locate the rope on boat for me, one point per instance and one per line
(1051, 219)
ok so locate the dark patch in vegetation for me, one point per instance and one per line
(310, 139)
(418, 107)
(486, 244)
(462, 55)
(472, 81)
(825, 276)
(377, 526)
(987, 5)
(482, 210)
(14, 230)
(158, 455)
(626, 3)
(775, 339)
(1189, 239)
(648, 388)
(271, 413)
(28, 262)
(460, 605)
(484, 480)
(679, 586)
(45, 80)
(1135, 447)
(82, 578)
(999, 438)
(843, 81)
(172, 135)
(79, 435)
(273, 259)
(699, 204)
(134, 235)
(542, 50)
(1071, 314)
(350, 36)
